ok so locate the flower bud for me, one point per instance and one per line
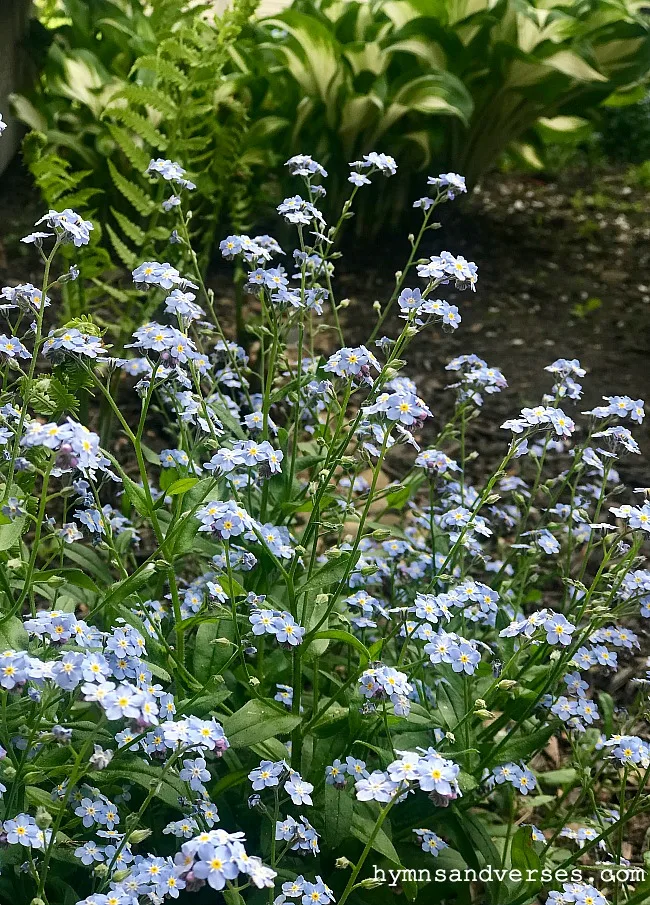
(43, 818)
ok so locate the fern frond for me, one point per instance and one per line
(124, 253)
(140, 125)
(137, 156)
(161, 67)
(131, 230)
(133, 193)
(148, 97)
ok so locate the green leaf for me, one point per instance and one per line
(124, 253)
(130, 230)
(136, 497)
(137, 157)
(562, 777)
(133, 193)
(257, 721)
(210, 658)
(12, 634)
(348, 638)
(148, 97)
(134, 769)
(10, 534)
(313, 56)
(338, 815)
(523, 856)
(164, 68)
(523, 747)
(182, 485)
(142, 126)
(569, 63)
(362, 828)
(71, 576)
(332, 572)
(90, 562)
(123, 589)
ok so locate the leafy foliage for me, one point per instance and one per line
(123, 83)
(455, 83)
(240, 659)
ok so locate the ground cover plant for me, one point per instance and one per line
(241, 663)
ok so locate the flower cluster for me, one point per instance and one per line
(218, 607)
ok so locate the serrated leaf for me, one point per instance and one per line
(131, 230)
(136, 155)
(133, 193)
(164, 68)
(142, 127)
(148, 97)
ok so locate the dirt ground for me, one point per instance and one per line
(564, 271)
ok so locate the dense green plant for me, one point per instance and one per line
(455, 82)
(237, 663)
(121, 84)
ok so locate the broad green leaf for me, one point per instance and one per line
(210, 658)
(71, 576)
(136, 497)
(569, 63)
(314, 56)
(522, 747)
(133, 769)
(362, 827)
(181, 486)
(12, 634)
(348, 638)
(256, 722)
(10, 534)
(441, 93)
(338, 815)
(332, 572)
(123, 589)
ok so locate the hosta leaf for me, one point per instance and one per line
(569, 63)
(314, 55)
(441, 93)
